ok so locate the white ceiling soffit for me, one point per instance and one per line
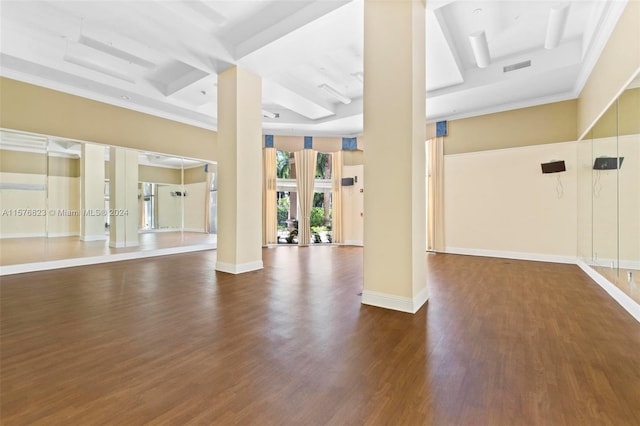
(515, 32)
(163, 57)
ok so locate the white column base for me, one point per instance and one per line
(396, 303)
(232, 268)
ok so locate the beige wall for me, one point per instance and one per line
(64, 195)
(60, 166)
(35, 163)
(629, 112)
(14, 225)
(195, 205)
(542, 124)
(585, 200)
(36, 109)
(352, 206)
(23, 162)
(352, 158)
(499, 201)
(169, 208)
(195, 174)
(617, 65)
(153, 174)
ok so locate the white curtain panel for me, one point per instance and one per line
(435, 203)
(336, 197)
(269, 202)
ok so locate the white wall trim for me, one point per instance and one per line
(396, 303)
(359, 243)
(420, 299)
(618, 295)
(102, 237)
(536, 257)
(62, 234)
(233, 268)
(25, 235)
(629, 264)
(83, 261)
(623, 263)
(196, 230)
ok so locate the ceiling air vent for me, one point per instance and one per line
(517, 66)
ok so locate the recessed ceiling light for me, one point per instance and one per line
(204, 92)
(125, 97)
(477, 11)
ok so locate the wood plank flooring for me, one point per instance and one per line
(170, 341)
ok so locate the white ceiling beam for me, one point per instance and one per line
(280, 26)
(184, 81)
(446, 32)
(275, 93)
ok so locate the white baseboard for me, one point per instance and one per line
(123, 245)
(25, 235)
(62, 234)
(94, 237)
(353, 243)
(420, 299)
(618, 295)
(396, 303)
(623, 263)
(83, 261)
(198, 230)
(232, 268)
(629, 264)
(536, 257)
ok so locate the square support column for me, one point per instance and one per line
(123, 197)
(394, 158)
(239, 171)
(92, 226)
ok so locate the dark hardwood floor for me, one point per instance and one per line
(169, 341)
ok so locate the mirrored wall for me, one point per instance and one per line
(62, 199)
(609, 194)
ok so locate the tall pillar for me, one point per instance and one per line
(394, 130)
(123, 197)
(240, 171)
(92, 224)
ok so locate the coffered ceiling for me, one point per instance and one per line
(163, 57)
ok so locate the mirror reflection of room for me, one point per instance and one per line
(65, 199)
